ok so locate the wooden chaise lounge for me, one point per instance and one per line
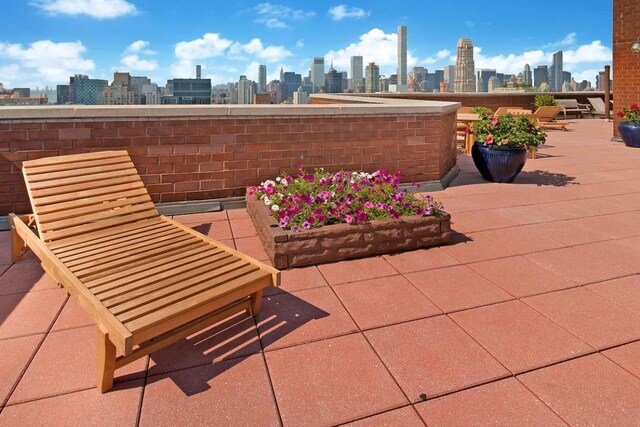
(147, 281)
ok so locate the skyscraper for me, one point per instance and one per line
(450, 78)
(333, 81)
(262, 78)
(555, 72)
(540, 75)
(317, 73)
(244, 91)
(416, 76)
(356, 72)
(465, 67)
(402, 57)
(198, 71)
(483, 77)
(372, 75)
(527, 75)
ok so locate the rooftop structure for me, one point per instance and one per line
(465, 67)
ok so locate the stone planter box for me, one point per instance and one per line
(342, 241)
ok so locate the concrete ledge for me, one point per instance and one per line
(345, 105)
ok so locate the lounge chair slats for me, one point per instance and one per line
(144, 282)
(118, 278)
(140, 275)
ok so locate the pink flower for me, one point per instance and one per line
(369, 205)
(494, 122)
(348, 219)
(489, 140)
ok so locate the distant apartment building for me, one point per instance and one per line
(62, 94)
(333, 81)
(86, 91)
(300, 96)
(356, 83)
(493, 84)
(540, 75)
(150, 94)
(292, 82)
(555, 72)
(566, 76)
(137, 82)
(526, 75)
(401, 85)
(188, 91)
(482, 79)
(416, 76)
(372, 77)
(262, 78)
(120, 92)
(244, 91)
(317, 74)
(450, 78)
(465, 67)
(383, 84)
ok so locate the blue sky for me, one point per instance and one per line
(42, 42)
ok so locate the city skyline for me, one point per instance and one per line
(60, 41)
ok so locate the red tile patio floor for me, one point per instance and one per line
(530, 317)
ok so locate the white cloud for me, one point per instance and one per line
(134, 62)
(300, 43)
(48, 62)
(588, 53)
(213, 45)
(374, 46)
(256, 48)
(342, 11)
(568, 40)
(469, 24)
(278, 16)
(140, 46)
(589, 74)
(208, 46)
(441, 54)
(99, 9)
(9, 74)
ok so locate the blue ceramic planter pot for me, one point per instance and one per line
(498, 164)
(630, 133)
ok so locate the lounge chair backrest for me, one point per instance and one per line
(505, 110)
(465, 110)
(77, 194)
(568, 103)
(547, 113)
(597, 104)
(518, 111)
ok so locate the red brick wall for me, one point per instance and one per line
(195, 158)
(626, 64)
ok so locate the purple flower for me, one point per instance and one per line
(348, 219)
(306, 225)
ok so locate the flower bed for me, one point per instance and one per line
(316, 218)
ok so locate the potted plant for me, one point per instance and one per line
(500, 149)
(544, 100)
(629, 126)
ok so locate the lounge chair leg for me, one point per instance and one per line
(17, 245)
(256, 303)
(106, 362)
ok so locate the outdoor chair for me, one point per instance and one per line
(504, 110)
(598, 106)
(546, 118)
(146, 280)
(572, 106)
